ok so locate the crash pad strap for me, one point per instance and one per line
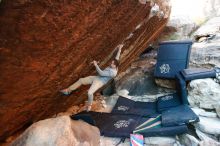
(197, 73)
(181, 88)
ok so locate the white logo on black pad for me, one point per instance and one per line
(122, 108)
(121, 124)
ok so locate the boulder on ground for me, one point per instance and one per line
(60, 131)
(47, 45)
(160, 141)
(205, 51)
(188, 140)
(206, 140)
(209, 125)
(204, 93)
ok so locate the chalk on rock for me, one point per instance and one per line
(154, 10)
(161, 14)
(138, 26)
(123, 93)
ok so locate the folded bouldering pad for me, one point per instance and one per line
(179, 115)
(197, 73)
(173, 56)
(113, 125)
(128, 106)
(168, 101)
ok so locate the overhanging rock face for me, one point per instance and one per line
(47, 45)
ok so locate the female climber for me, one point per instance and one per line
(96, 81)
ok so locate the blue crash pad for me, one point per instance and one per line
(197, 73)
(179, 115)
(173, 56)
(181, 88)
(168, 101)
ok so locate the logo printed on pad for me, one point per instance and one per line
(122, 108)
(168, 97)
(164, 68)
(121, 124)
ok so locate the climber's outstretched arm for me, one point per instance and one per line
(106, 73)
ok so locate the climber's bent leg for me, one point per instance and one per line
(81, 81)
(96, 84)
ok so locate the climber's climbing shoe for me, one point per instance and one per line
(65, 91)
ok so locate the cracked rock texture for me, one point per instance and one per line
(46, 45)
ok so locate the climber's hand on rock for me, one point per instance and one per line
(119, 47)
(95, 62)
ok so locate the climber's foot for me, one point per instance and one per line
(65, 91)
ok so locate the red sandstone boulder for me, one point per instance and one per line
(46, 45)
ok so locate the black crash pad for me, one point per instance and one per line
(112, 125)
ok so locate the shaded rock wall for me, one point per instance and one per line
(47, 45)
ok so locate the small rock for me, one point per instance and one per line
(188, 140)
(166, 83)
(204, 93)
(209, 125)
(108, 141)
(202, 112)
(205, 140)
(160, 141)
(103, 102)
(209, 143)
(104, 105)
